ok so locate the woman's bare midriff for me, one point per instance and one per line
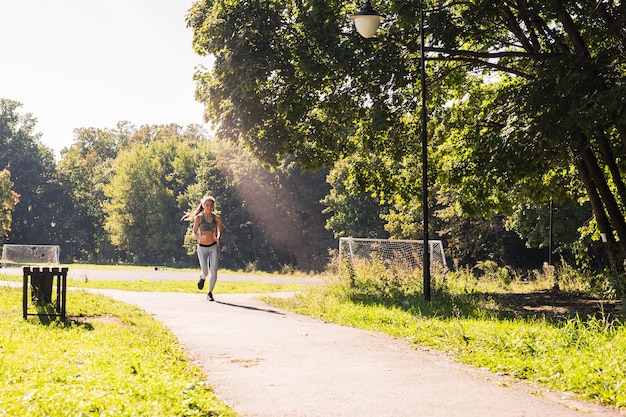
(207, 237)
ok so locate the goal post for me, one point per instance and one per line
(394, 254)
(20, 255)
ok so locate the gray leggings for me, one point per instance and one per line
(208, 257)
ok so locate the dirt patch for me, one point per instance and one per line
(98, 319)
(557, 305)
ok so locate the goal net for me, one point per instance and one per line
(393, 254)
(20, 255)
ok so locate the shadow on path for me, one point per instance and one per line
(251, 308)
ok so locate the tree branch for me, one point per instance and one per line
(483, 63)
(511, 23)
(570, 27)
(490, 55)
(482, 58)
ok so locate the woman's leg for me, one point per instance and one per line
(203, 257)
(214, 255)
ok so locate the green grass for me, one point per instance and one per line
(72, 366)
(150, 268)
(109, 358)
(582, 355)
(222, 287)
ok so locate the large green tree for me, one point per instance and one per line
(289, 79)
(541, 82)
(353, 212)
(143, 200)
(33, 173)
(553, 126)
(85, 167)
(8, 200)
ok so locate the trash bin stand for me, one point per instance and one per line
(41, 280)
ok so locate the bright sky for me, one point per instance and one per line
(93, 63)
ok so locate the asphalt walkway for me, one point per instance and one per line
(268, 362)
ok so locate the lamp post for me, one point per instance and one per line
(550, 232)
(367, 21)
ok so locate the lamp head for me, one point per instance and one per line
(367, 20)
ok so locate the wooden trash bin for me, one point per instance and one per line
(40, 282)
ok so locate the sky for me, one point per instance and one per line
(87, 63)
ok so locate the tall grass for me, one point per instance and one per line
(467, 319)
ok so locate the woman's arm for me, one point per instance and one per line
(218, 220)
(196, 223)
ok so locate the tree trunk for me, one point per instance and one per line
(596, 203)
(621, 128)
(570, 27)
(599, 183)
(609, 158)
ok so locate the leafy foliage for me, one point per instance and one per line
(8, 200)
(526, 99)
(353, 212)
(144, 200)
(33, 173)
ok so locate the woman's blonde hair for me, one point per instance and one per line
(192, 214)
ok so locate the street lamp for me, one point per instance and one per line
(367, 21)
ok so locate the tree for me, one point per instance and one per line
(33, 173)
(354, 213)
(84, 169)
(144, 202)
(557, 111)
(291, 82)
(8, 200)
(541, 84)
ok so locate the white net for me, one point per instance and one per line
(19, 255)
(394, 254)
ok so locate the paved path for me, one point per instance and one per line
(267, 362)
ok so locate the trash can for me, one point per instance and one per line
(41, 289)
(40, 282)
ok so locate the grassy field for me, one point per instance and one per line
(107, 358)
(224, 287)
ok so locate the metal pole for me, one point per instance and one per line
(550, 233)
(424, 159)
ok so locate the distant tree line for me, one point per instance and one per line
(116, 196)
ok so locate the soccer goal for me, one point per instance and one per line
(392, 253)
(20, 255)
